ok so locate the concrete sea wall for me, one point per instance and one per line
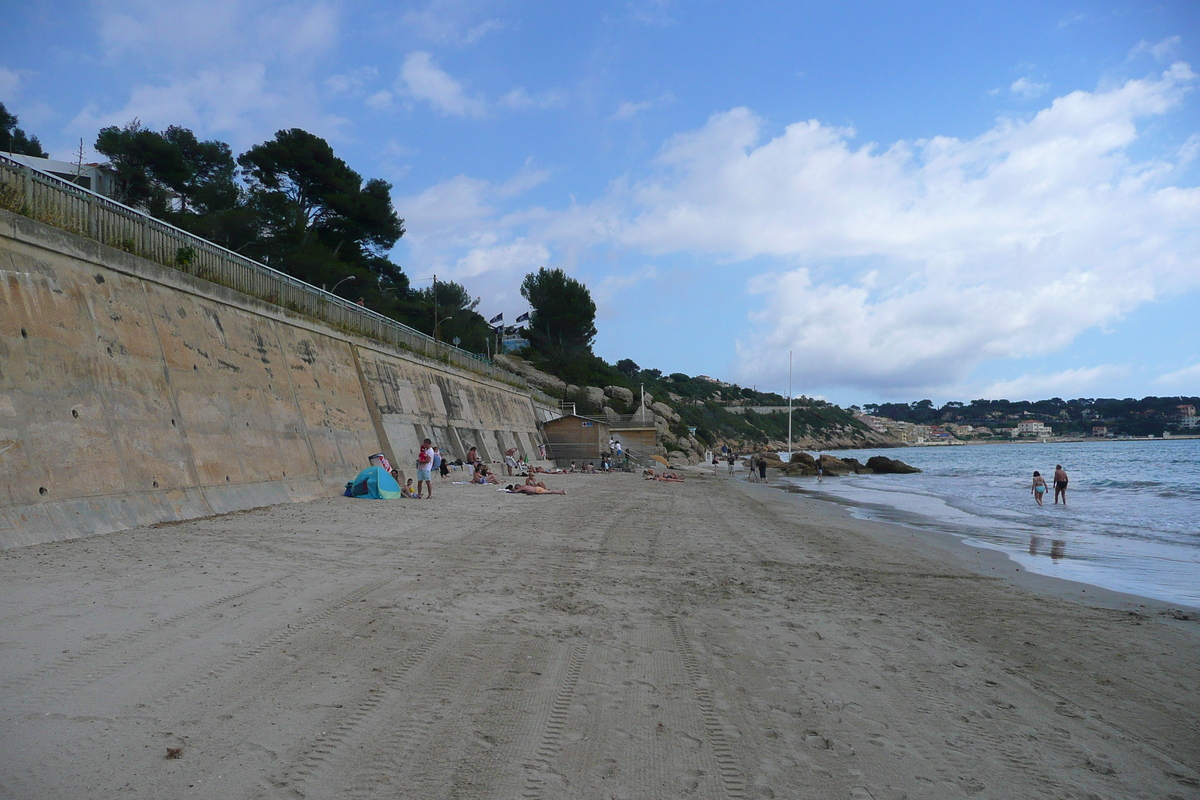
(131, 393)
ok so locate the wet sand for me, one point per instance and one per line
(633, 639)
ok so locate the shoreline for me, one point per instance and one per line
(983, 560)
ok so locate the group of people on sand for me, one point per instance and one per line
(1039, 488)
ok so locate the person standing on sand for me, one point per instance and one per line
(732, 461)
(1038, 490)
(425, 469)
(1060, 484)
(762, 468)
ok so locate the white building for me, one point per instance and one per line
(1032, 427)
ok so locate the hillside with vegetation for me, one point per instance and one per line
(1150, 416)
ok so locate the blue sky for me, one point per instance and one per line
(943, 200)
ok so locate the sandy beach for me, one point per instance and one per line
(633, 639)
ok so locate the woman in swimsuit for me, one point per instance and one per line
(1039, 487)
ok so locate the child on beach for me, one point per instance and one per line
(1039, 487)
(408, 490)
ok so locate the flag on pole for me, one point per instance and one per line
(496, 318)
(524, 317)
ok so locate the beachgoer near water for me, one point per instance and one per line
(732, 460)
(762, 468)
(425, 469)
(1060, 484)
(1038, 489)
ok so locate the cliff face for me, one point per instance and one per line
(815, 425)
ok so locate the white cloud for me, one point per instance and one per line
(421, 79)
(226, 67)
(520, 99)
(513, 259)
(1028, 88)
(1162, 51)
(451, 22)
(380, 100)
(1002, 246)
(238, 103)
(187, 35)
(1068, 383)
(629, 110)
(1185, 381)
(606, 291)
(651, 13)
(10, 84)
(352, 83)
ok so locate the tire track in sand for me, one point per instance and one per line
(274, 641)
(727, 765)
(536, 768)
(330, 741)
(77, 657)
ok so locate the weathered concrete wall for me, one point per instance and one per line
(131, 393)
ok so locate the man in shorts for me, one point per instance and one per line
(1060, 484)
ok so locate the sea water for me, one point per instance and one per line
(1131, 522)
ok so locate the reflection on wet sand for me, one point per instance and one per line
(1057, 547)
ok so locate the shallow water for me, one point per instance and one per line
(1131, 523)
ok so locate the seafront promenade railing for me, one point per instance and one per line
(72, 208)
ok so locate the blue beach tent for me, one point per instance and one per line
(373, 483)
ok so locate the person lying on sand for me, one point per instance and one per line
(520, 489)
(671, 477)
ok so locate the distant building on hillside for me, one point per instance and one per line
(1099, 431)
(1032, 427)
(100, 178)
(1187, 417)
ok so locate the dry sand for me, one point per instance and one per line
(630, 640)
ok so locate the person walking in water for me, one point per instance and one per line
(1060, 484)
(1039, 487)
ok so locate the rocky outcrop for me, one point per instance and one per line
(620, 393)
(882, 465)
(834, 466)
(593, 397)
(538, 379)
(664, 410)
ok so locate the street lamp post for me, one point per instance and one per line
(339, 283)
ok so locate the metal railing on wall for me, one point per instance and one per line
(64, 205)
